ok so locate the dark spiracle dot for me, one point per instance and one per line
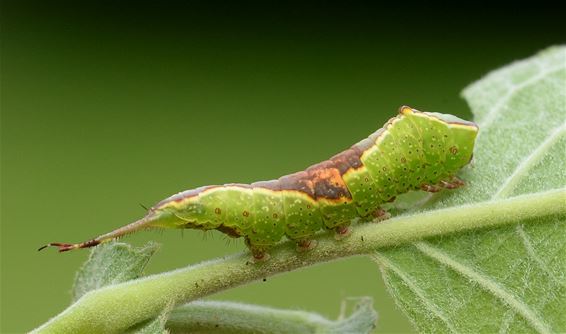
(275, 216)
(217, 211)
(245, 214)
(454, 150)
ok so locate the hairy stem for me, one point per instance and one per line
(115, 308)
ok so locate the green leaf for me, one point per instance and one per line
(229, 317)
(115, 262)
(112, 263)
(506, 279)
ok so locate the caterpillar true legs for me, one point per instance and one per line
(413, 151)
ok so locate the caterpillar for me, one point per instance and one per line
(414, 150)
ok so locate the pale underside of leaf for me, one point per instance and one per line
(386, 265)
(111, 264)
(486, 283)
(512, 278)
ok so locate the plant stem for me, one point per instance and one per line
(115, 308)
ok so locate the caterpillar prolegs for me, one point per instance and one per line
(414, 150)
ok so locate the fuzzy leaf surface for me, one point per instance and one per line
(112, 263)
(506, 279)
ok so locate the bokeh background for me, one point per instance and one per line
(105, 106)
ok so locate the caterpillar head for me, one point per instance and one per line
(460, 139)
(460, 147)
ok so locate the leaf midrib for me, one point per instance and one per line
(486, 283)
(529, 162)
(489, 117)
(506, 188)
(516, 304)
(178, 286)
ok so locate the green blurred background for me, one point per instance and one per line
(105, 106)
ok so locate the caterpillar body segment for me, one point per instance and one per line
(414, 150)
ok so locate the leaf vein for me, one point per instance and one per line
(394, 292)
(405, 277)
(488, 284)
(492, 113)
(533, 255)
(508, 318)
(529, 162)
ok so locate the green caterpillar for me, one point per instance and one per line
(414, 150)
